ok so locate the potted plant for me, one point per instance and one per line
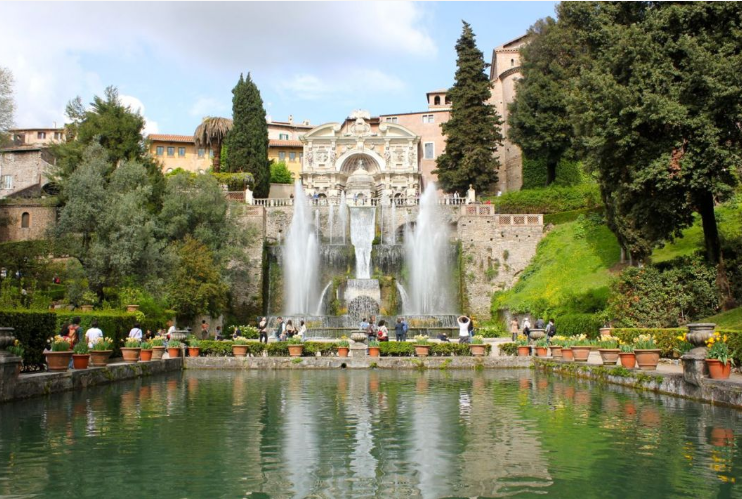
(343, 347)
(296, 347)
(146, 354)
(567, 350)
(59, 354)
(556, 346)
(627, 356)
(100, 352)
(131, 349)
(477, 346)
(647, 353)
(422, 345)
(17, 350)
(524, 349)
(240, 346)
(374, 349)
(719, 357)
(81, 356)
(158, 347)
(581, 348)
(542, 346)
(88, 300)
(194, 347)
(608, 349)
(173, 348)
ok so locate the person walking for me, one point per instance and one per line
(302, 330)
(540, 324)
(550, 330)
(399, 330)
(136, 332)
(363, 325)
(514, 328)
(93, 334)
(263, 330)
(527, 328)
(464, 336)
(382, 333)
(204, 330)
(280, 329)
(405, 328)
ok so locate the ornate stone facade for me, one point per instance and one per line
(363, 156)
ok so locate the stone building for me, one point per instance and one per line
(26, 219)
(24, 170)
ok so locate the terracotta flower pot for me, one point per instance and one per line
(86, 308)
(541, 351)
(374, 352)
(422, 350)
(132, 308)
(722, 437)
(173, 352)
(145, 355)
(581, 354)
(99, 358)
(478, 350)
(130, 354)
(295, 350)
(343, 351)
(58, 361)
(524, 351)
(556, 352)
(609, 356)
(194, 351)
(157, 353)
(647, 360)
(80, 361)
(628, 359)
(239, 350)
(567, 354)
(717, 370)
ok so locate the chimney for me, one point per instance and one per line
(291, 119)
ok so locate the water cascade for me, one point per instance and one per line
(331, 220)
(403, 297)
(343, 214)
(316, 223)
(394, 222)
(427, 257)
(300, 258)
(362, 224)
(320, 305)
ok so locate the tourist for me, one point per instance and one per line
(218, 334)
(514, 328)
(171, 329)
(290, 330)
(136, 332)
(527, 327)
(399, 329)
(371, 330)
(93, 334)
(263, 330)
(443, 338)
(279, 329)
(364, 325)
(464, 329)
(540, 324)
(236, 333)
(75, 331)
(148, 335)
(383, 332)
(550, 330)
(302, 330)
(404, 329)
(471, 327)
(204, 330)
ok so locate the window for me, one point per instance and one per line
(160, 150)
(391, 119)
(448, 100)
(181, 152)
(429, 150)
(512, 62)
(292, 156)
(25, 220)
(201, 152)
(171, 151)
(428, 118)
(437, 100)
(281, 156)
(57, 135)
(283, 136)
(7, 181)
(41, 135)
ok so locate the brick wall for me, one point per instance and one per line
(40, 218)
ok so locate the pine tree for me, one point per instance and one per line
(248, 140)
(473, 132)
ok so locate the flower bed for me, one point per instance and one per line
(211, 348)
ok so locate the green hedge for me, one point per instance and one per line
(213, 348)
(552, 199)
(574, 324)
(667, 339)
(508, 348)
(404, 349)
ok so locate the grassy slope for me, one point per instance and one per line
(727, 320)
(566, 265)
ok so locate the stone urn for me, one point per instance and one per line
(537, 334)
(694, 361)
(359, 337)
(698, 335)
(6, 340)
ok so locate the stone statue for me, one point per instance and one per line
(310, 157)
(388, 155)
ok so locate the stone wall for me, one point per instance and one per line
(27, 166)
(40, 219)
(247, 273)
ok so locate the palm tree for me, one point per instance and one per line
(211, 133)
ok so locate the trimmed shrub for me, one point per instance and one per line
(552, 199)
(574, 324)
(508, 348)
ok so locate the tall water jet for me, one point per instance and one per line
(343, 208)
(331, 220)
(362, 224)
(403, 298)
(394, 222)
(300, 258)
(320, 308)
(316, 222)
(426, 251)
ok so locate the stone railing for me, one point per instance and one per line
(399, 201)
(489, 210)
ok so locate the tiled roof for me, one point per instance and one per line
(162, 137)
(285, 143)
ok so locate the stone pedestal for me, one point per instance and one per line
(694, 367)
(10, 367)
(358, 346)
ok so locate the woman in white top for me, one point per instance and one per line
(93, 334)
(302, 330)
(464, 329)
(136, 332)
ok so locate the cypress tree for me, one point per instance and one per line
(473, 131)
(248, 140)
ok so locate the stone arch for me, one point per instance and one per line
(343, 164)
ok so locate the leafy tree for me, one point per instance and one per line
(7, 104)
(197, 286)
(211, 133)
(473, 132)
(280, 174)
(248, 140)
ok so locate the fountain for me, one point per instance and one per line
(427, 257)
(300, 258)
(362, 223)
(343, 212)
(331, 220)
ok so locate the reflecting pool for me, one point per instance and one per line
(380, 434)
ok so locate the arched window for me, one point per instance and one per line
(512, 62)
(437, 100)
(25, 220)
(448, 100)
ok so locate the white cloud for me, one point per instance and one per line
(355, 82)
(207, 106)
(137, 107)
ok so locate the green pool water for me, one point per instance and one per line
(348, 434)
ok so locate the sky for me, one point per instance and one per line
(177, 62)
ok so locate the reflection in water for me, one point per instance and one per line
(374, 434)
